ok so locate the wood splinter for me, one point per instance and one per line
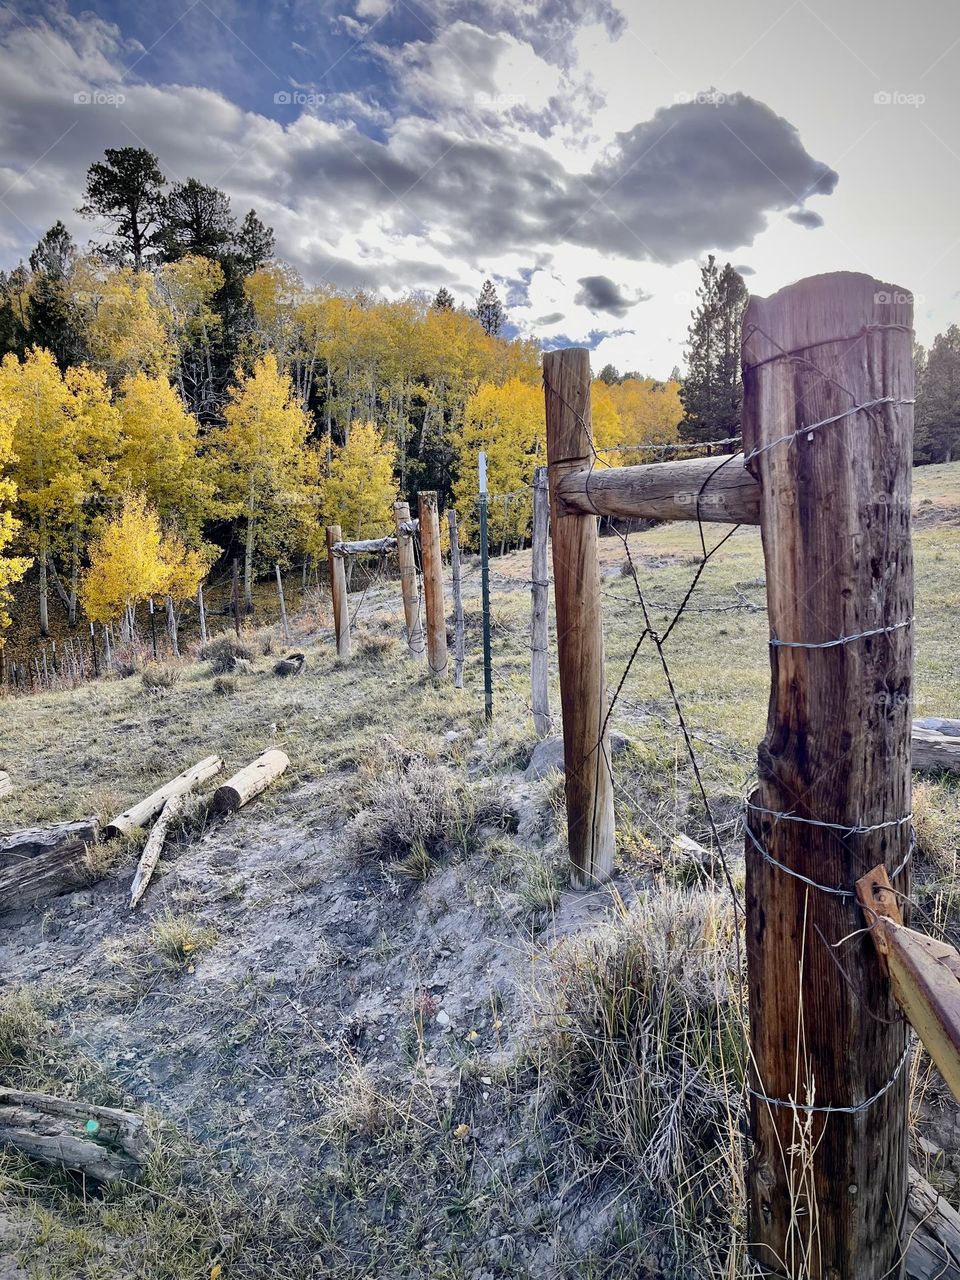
(924, 974)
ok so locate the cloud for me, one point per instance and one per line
(423, 201)
(743, 270)
(805, 218)
(599, 293)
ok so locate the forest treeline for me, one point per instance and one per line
(175, 392)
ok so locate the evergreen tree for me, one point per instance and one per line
(712, 389)
(50, 321)
(197, 220)
(938, 400)
(255, 244)
(609, 374)
(489, 310)
(444, 300)
(125, 190)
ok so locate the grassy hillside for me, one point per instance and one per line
(374, 1033)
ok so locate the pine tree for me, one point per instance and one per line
(197, 220)
(938, 400)
(50, 315)
(489, 310)
(125, 190)
(255, 244)
(711, 391)
(444, 301)
(609, 374)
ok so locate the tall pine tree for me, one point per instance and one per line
(489, 310)
(712, 391)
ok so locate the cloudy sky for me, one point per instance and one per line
(586, 154)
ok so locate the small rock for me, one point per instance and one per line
(443, 1018)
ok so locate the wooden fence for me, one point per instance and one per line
(827, 426)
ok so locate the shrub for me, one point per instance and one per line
(224, 686)
(156, 676)
(222, 653)
(411, 809)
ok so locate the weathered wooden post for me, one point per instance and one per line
(433, 586)
(576, 579)
(172, 627)
(827, 427)
(203, 615)
(283, 606)
(539, 590)
(408, 580)
(458, 626)
(338, 591)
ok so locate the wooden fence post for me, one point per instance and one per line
(203, 615)
(539, 591)
(408, 581)
(458, 626)
(338, 590)
(832, 453)
(283, 607)
(433, 586)
(576, 586)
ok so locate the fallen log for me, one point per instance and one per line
(6, 786)
(249, 782)
(154, 847)
(30, 880)
(932, 1233)
(103, 1143)
(933, 752)
(17, 846)
(141, 813)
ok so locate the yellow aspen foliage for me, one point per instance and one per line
(184, 568)
(649, 412)
(607, 427)
(159, 453)
(12, 568)
(508, 423)
(125, 322)
(127, 563)
(262, 467)
(361, 489)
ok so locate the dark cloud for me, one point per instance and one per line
(805, 218)
(600, 293)
(743, 270)
(553, 318)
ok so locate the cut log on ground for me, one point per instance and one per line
(291, 665)
(28, 879)
(103, 1143)
(933, 752)
(932, 1233)
(141, 813)
(6, 786)
(18, 846)
(249, 782)
(154, 847)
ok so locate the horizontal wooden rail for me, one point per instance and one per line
(924, 974)
(718, 488)
(374, 546)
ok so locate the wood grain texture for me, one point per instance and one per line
(103, 1143)
(576, 586)
(433, 586)
(17, 846)
(539, 601)
(720, 489)
(835, 522)
(338, 593)
(406, 556)
(250, 781)
(141, 813)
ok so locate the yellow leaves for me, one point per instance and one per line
(361, 489)
(133, 559)
(125, 320)
(461, 1132)
(216, 1271)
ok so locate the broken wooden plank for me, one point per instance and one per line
(154, 847)
(249, 782)
(932, 1233)
(18, 846)
(924, 974)
(141, 813)
(104, 1143)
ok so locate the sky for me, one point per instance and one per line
(587, 155)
